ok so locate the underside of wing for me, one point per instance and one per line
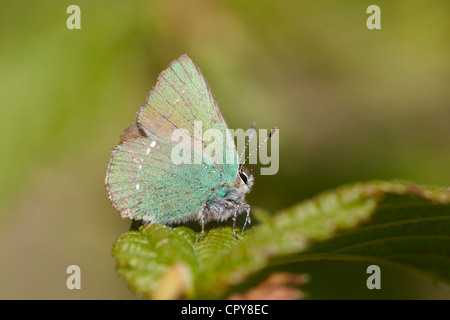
(145, 184)
(181, 97)
(143, 181)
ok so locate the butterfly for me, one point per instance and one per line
(143, 181)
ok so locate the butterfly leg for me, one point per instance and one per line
(202, 221)
(247, 219)
(234, 224)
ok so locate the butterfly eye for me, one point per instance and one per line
(243, 177)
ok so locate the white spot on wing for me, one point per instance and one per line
(148, 151)
(138, 186)
(152, 144)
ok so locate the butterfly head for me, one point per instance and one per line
(246, 178)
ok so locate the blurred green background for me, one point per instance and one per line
(352, 104)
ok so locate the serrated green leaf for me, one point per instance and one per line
(391, 222)
(145, 256)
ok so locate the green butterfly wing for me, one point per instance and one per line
(180, 97)
(142, 179)
(145, 184)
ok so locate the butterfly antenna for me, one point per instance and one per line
(250, 137)
(261, 144)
